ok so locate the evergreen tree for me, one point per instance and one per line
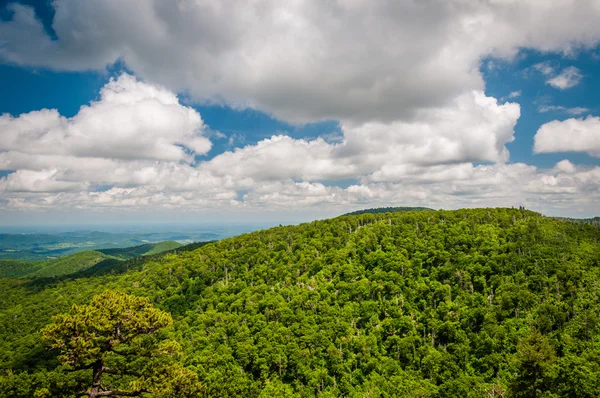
(118, 335)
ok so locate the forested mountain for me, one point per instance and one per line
(80, 261)
(42, 246)
(29, 244)
(592, 221)
(467, 303)
(378, 210)
(54, 267)
(141, 250)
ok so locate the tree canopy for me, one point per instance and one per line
(117, 335)
(467, 303)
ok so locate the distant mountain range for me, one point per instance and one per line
(33, 245)
(387, 210)
(592, 221)
(81, 261)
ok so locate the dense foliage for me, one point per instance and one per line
(467, 303)
(116, 339)
(54, 267)
(592, 221)
(147, 249)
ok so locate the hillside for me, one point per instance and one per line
(37, 247)
(17, 244)
(49, 268)
(379, 210)
(467, 303)
(141, 250)
(68, 264)
(592, 221)
(78, 262)
(17, 268)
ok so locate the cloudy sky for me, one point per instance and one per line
(214, 110)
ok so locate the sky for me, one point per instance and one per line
(220, 111)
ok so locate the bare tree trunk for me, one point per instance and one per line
(96, 376)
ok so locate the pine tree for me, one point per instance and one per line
(117, 337)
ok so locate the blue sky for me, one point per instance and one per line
(514, 76)
(40, 88)
(144, 111)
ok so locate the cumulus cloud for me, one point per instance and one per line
(39, 181)
(569, 77)
(565, 166)
(571, 135)
(427, 161)
(136, 134)
(354, 61)
(131, 120)
(473, 128)
(413, 114)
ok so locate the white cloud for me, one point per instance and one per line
(569, 77)
(566, 166)
(135, 135)
(511, 95)
(403, 79)
(426, 161)
(560, 190)
(39, 181)
(545, 68)
(473, 128)
(571, 135)
(131, 120)
(576, 111)
(354, 61)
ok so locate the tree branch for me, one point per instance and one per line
(110, 371)
(123, 372)
(117, 393)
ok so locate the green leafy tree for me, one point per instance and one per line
(117, 337)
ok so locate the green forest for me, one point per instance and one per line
(81, 261)
(465, 303)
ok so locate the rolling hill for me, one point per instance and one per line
(141, 250)
(81, 261)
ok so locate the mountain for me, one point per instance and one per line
(35, 246)
(32, 246)
(141, 250)
(466, 303)
(379, 210)
(48, 268)
(592, 221)
(81, 261)
(17, 268)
